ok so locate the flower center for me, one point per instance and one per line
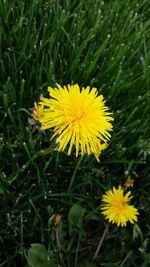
(120, 205)
(77, 116)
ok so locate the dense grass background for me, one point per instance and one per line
(104, 44)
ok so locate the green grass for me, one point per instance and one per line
(104, 44)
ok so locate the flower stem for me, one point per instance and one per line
(74, 174)
(100, 243)
(61, 258)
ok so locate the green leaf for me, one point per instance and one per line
(75, 214)
(39, 257)
(137, 232)
(146, 257)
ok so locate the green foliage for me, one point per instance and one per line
(144, 245)
(111, 265)
(137, 232)
(75, 215)
(87, 264)
(104, 44)
(39, 257)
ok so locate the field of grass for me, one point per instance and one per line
(103, 44)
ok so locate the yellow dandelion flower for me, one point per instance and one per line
(38, 112)
(79, 118)
(129, 182)
(116, 207)
(98, 149)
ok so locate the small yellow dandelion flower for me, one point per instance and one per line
(38, 112)
(116, 207)
(79, 119)
(129, 182)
